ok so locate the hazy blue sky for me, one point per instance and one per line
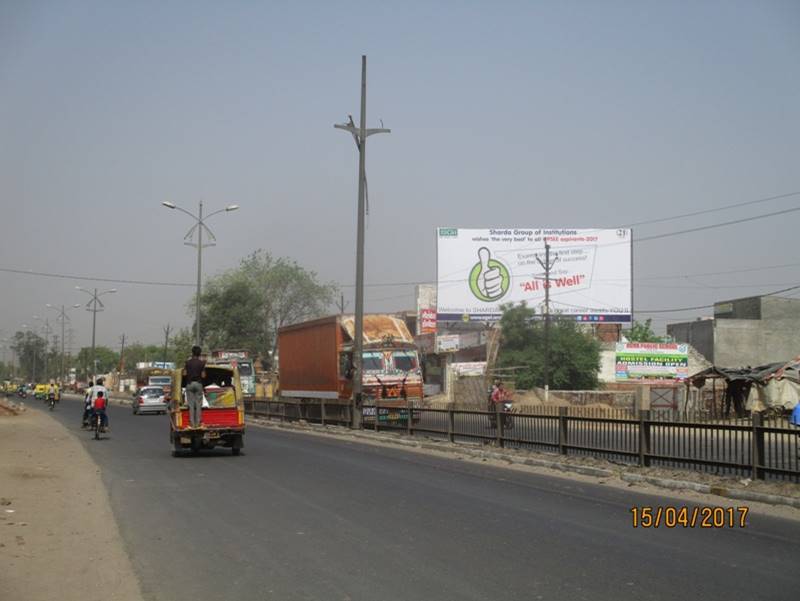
(517, 114)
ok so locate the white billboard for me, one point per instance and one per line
(478, 270)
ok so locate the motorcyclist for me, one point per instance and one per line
(499, 398)
(51, 393)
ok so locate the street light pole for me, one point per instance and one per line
(187, 240)
(360, 135)
(95, 305)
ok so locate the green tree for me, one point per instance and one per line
(643, 332)
(244, 307)
(30, 349)
(107, 360)
(574, 355)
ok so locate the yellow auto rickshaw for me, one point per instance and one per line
(222, 415)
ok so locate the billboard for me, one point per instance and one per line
(652, 362)
(478, 270)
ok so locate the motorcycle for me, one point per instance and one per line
(21, 393)
(97, 424)
(51, 399)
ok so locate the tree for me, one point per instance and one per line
(107, 360)
(30, 349)
(244, 307)
(574, 355)
(643, 332)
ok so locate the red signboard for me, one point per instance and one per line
(427, 323)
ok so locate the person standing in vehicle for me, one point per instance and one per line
(194, 371)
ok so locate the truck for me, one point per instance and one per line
(315, 361)
(154, 374)
(243, 362)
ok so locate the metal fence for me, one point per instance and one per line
(754, 447)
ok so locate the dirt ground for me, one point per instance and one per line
(58, 536)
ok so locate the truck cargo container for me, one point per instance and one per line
(315, 361)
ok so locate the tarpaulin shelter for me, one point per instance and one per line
(775, 385)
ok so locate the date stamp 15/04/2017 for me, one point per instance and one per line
(689, 517)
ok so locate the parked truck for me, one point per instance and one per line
(315, 361)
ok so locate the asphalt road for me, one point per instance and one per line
(304, 517)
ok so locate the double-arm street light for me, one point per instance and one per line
(199, 226)
(94, 305)
(63, 318)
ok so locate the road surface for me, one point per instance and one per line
(306, 517)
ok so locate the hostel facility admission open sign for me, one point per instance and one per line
(478, 270)
(652, 362)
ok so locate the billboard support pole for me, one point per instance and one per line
(631, 278)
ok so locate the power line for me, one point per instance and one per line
(714, 225)
(90, 278)
(706, 211)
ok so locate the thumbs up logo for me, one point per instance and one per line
(489, 279)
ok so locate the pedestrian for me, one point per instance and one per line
(194, 372)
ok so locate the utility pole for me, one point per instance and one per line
(341, 304)
(122, 357)
(547, 266)
(166, 342)
(360, 136)
(63, 318)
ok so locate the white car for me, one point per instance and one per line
(150, 399)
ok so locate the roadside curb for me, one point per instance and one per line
(511, 458)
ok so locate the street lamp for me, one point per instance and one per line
(95, 305)
(63, 318)
(187, 240)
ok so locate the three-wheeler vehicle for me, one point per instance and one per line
(222, 421)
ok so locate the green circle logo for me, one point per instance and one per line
(489, 279)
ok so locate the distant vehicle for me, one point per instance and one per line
(40, 391)
(150, 399)
(241, 359)
(155, 375)
(316, 362)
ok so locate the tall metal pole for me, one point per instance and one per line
(547, 320)
(94, 328)
(360, 135)
(359, 318)
(199, 271)
(63, 323)
(547, 265)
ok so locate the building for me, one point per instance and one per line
(747, 331)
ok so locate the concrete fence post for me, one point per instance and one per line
(757, 441)
(644, 437)
(562, 430)
(451, 424)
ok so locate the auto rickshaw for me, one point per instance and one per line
(222, 421)
(40, 391)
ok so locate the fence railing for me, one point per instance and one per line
(754, 447)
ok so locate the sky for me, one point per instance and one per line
(503, 114)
